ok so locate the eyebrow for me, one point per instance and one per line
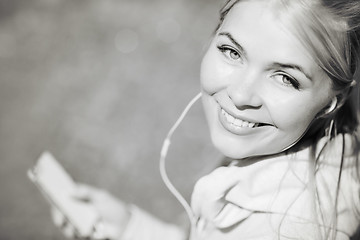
(292, 66)
(228, 35)
(274, 65)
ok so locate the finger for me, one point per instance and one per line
(89, 193)
(83, 192)
(68, 230)
(57, 217)
(105, 230)
(97, 196)
(60, 221)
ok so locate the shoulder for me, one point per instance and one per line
(337, 181)
(342, 147)
(269, 226)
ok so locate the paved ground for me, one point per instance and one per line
(99, 83)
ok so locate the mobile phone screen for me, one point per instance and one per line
(59, 189)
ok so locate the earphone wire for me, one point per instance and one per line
(162, 166)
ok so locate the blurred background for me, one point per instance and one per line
(98, 83)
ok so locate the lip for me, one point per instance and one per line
(231, 127)
(231, 113)
(225, 103)
(236, 129)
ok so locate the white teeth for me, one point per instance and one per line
(238, 122)
(230, 118)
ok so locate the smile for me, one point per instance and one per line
(236, 122)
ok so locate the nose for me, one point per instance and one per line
(244, 90)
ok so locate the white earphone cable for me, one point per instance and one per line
(162, 167)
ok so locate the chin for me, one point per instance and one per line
(231, 148)
(243, 148)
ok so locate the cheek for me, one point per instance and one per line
(214, 74)
(294, 116)
(210, 108)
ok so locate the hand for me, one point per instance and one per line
(112, 212)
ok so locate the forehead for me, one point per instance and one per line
(261, 22)
(259, 27)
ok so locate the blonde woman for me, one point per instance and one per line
(279, 84)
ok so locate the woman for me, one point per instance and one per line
(277, 83)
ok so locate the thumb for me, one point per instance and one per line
(83, 192)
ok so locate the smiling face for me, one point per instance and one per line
(261, 88)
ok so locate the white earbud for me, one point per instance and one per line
(332, 106)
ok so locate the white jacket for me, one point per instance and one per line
(271, 198)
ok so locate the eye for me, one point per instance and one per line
(287, 80)
(229, 52)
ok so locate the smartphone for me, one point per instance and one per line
(59, 190)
